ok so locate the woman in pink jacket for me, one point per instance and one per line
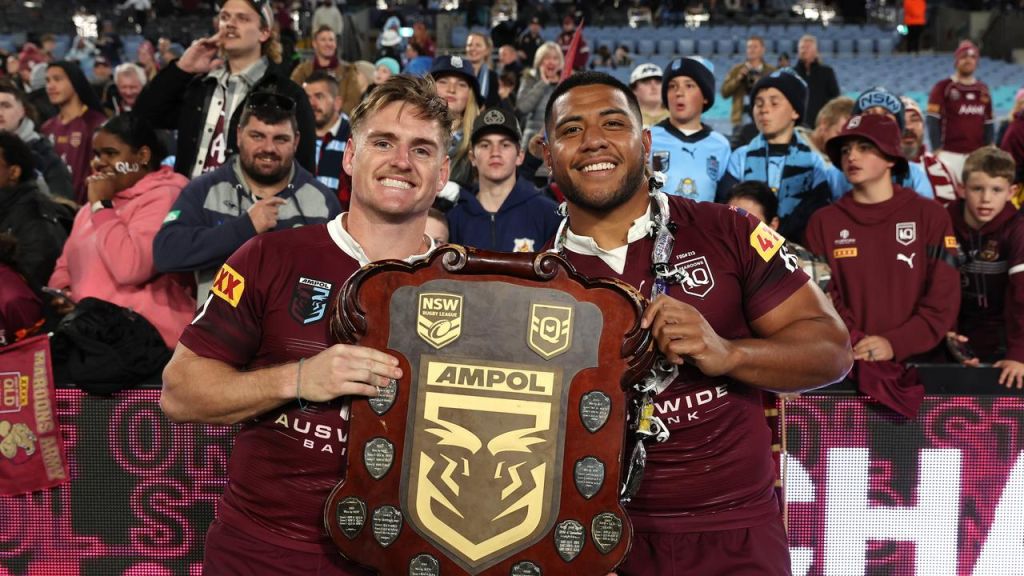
(109, 254)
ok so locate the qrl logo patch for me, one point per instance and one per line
(229, 285)
(550, 329)
(479, 481)
(695, 276)
(439, 319)
(906, 232)
(309, 300)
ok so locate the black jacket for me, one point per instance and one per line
(54, 170)
(177, 100)
(822, 86)
(32, 217)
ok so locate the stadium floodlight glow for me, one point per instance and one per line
(86, 25)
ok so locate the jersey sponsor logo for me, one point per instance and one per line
(844, 238)
(550, 329)
(319, 437)
(972, 110)
(906, 232)
(690, 151)
(766, 241)
(713, 168)
(695, 276)
(971, 96)
(691, 407)
(439, 318)
(309, 300)
(686, 187)
(522, 244)
(172, 216)
(950, 241)
(229, 285)
(838, 253)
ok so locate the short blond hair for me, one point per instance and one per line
(418, 92)
(992, 161)
(835, 110)
(542, 53)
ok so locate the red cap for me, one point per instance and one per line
(966, 48)
(880, 130)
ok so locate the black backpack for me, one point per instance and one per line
(103, 348)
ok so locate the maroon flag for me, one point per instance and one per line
(573, 52)
(31, 451)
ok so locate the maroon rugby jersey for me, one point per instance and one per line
(963, 110)
(73, 143)
(269, 305)
(893, 268)
(715, 472)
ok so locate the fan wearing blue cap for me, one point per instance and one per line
(691, 156)
(779, 156)
(881, 101)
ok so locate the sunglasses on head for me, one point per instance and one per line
(271, 100)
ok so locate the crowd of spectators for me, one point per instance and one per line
(132, 179)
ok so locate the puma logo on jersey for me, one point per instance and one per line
(908, 259)
(688, 151)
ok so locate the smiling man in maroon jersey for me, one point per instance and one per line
(737, 316)
(258, 352)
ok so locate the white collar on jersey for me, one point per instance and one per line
(349, 246)
(616, 257)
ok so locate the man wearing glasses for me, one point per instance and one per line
(259, 190)
(259, 351)
(200, 94)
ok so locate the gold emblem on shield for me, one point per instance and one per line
(550, 329)
(483, 469)
(439, 318)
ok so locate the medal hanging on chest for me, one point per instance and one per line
(642, 420)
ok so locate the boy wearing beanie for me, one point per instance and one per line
(879, 100)
(692, 157)
(960, 111)
(892, 254)
(779, 156)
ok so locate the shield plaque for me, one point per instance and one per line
(501, 451)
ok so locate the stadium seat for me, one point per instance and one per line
(725, 46)
(866, 46)
(645, 47)
(666, 47)
(844, 47)
(706, 47)
(686, 47)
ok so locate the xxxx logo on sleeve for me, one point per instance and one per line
(229, 285)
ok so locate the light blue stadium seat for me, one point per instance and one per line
(686, 47)
(844, 46)
(725, 46)
(645, 47)
(666, 47)
(826, 46)
(629, 43)
(705, 47)
(886, 45)
(866, 46)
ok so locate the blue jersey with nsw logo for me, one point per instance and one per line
(693, 164)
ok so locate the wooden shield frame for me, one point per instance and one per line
(556, 510)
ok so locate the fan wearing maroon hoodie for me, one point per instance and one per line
(892, 255)
(991, 235)
(736, 316)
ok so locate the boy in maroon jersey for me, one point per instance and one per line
(960, 111)
(893, 257)
(258, 350)
(736, 316)
(991, 235)
(79, 113)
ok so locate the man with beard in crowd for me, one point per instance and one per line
(261, 189)
(943, 181)
(960, 111)
(332, 132)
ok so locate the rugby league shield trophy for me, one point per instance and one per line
(500, 450)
